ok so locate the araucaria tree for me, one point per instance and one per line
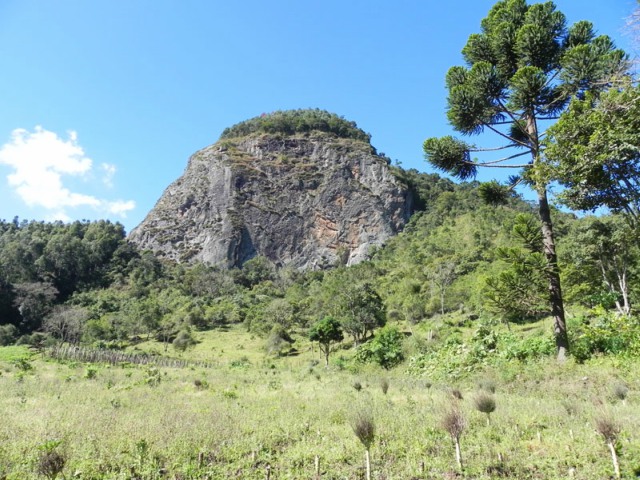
(522, 70)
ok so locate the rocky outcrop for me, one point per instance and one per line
(304, 200)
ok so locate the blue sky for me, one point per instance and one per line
(103, 101)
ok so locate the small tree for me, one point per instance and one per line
(485, 403)
(66, 323)
(610, 430)
(453, 422)
(326, 332)
(360, 310)
(365, 429)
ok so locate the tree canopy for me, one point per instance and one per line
(595, 151)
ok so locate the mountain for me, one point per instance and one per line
(303, 188)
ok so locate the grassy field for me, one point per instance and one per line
(251, 416)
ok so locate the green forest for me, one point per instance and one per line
(459, 262)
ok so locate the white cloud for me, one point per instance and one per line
(41, 160)
(109, 172)
(120, 207)
(58, 216)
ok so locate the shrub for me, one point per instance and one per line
(152, 377)
(512, 347)
(23, 364)
(8, 334)
(242, 362)
(279, 341)
(385, 349)
(607, 334)
(184, 340)
(50, 460)
(37, 340)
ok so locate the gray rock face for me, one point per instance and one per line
(305, 201)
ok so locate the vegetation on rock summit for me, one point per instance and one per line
(290, 122)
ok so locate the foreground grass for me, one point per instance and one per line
(252, 412)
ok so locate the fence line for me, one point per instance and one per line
(114, 357)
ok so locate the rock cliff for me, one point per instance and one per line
(307, 200)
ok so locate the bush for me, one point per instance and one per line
(8, 334)
(51, 461)
(37, 340)
(512, 347)
(183, 341)
(385, 349)
(607, 334)
(279, 341)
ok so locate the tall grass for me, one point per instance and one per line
(119, 424)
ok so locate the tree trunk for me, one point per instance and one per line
(622, 281)
(549, 247)
(458, 454)
(367, 461)
(553, 276)
(614, 459)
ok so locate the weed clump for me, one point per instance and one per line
(620, 391)
(201, 384)
(384, 385)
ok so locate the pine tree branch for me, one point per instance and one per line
(494, 149)
(493, 162)
(504, 135)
